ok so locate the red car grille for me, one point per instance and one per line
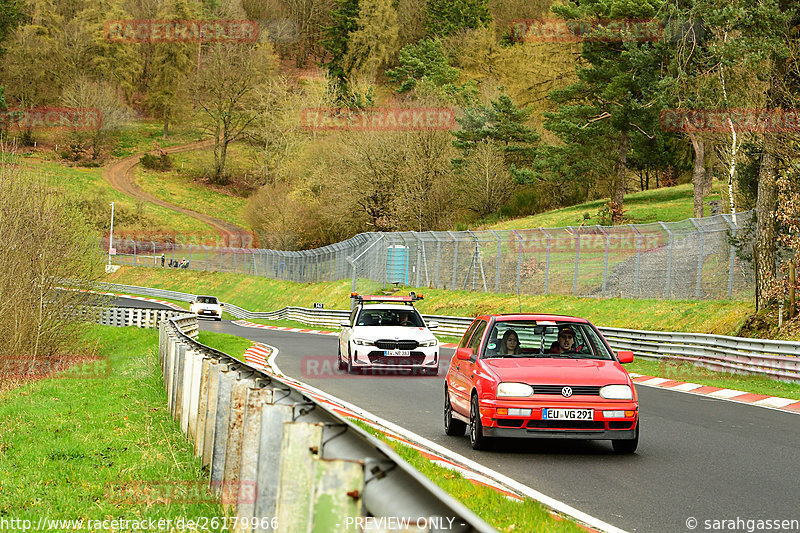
(577, 390)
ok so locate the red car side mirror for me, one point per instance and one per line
(625, 356)
(465, 354)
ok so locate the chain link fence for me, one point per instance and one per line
(691, 259)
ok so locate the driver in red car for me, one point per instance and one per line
(565, 342)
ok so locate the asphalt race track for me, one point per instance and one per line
(698, 457)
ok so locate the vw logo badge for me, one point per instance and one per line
(566, 392)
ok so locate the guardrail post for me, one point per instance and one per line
(334, 500)
(233, 447)
(299, 455)
(247, 489)
(166, 370)
(214, 386)
(186, 388)
(226, 380)
(273, 420)
(577, 257)
(196, 359)
(668, 289)
(202, 406)
(178, 381)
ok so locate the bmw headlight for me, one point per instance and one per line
(363, 342)
(616, 392)
(431, 342)
(514, 390)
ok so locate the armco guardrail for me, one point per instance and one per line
(777, 359)
(127, 316)
(280, 457)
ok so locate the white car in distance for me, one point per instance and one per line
(387, 335)
(206, 306)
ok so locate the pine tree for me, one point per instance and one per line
(374, 44)
(172, 65)
(504, 123)
(446, 17)
(609, 100)
(337, 41)
(424, 62)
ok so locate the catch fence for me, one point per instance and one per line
(690, 259)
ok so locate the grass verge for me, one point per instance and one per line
(229, 344)
(499, 511)
(102, 445)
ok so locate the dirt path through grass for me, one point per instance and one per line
(120, 176)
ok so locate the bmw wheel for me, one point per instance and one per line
(339, 363)
(350, 368)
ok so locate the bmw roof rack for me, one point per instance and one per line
(410, 299)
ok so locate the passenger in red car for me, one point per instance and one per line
(565, 342)
(510, 344)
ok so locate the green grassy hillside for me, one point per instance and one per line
(667, 204)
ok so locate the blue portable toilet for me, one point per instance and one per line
(397, 264)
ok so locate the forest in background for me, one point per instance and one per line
(541, 123)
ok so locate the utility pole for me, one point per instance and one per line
(111, 235)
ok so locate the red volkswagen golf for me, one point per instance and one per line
(540, 376)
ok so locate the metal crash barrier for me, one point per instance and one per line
(281, 461)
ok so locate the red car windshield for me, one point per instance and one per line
(551, 339)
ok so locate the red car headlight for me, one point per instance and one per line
(616, 392)
(514, 390)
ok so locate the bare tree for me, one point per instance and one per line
(485, 184)
(45, 242)
(225, 92)
(100, 96)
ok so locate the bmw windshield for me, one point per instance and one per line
(545, 339)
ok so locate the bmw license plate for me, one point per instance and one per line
(398, 353)
(567, 414)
